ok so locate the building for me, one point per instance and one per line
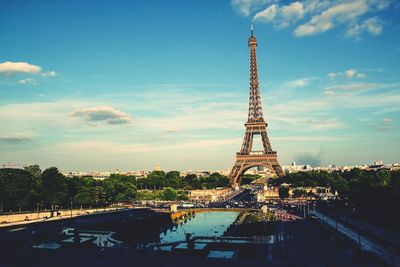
(210, 195)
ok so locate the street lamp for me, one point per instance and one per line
(37, 209)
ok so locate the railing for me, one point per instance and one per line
(256, 153)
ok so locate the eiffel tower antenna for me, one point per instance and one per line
(255, 125)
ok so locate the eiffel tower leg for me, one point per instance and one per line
(234, 175)
(247, 142)
(265, 141)
(278, 170)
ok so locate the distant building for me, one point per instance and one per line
(12, 166)
(158, 167)
(209, 195)
(296, 168)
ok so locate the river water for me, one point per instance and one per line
(212, 223)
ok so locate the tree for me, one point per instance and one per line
(84, 197)
(34, 170)
(249, 178)
(193, 181)
(15, 186)
(299, 192)
(53, 188)
(155, 180)
(283, 192)
(341, 186)
(173, 180)
(182, 195)
(169, 194)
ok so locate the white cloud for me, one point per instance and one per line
(373, 26)
(49, 74)
(303, 121)
(386, 125)
(329, 92)
(350, 73)
(325, 124)
(13, 139)
(355, 86)
(196, 119)
(266, 15)
(343, 12)
(320, 15)
(305, 138)
(297, 83)
(246, 7)
(105, 114)
(28, 81)
(292, 12)
(10, 68)
(123, 148)
(281, 16)
(18, 67)
(332, 75)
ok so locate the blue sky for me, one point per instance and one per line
(101, 85)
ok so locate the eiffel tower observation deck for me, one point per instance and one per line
(255, 126)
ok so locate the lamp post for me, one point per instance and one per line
(71, 208)
(37, 210)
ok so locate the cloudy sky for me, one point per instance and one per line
(101, 85)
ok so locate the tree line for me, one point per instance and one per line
(31, 188)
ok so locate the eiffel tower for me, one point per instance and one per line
(255, 125)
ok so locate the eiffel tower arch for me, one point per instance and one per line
(255, 126)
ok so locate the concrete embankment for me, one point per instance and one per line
(10, 219)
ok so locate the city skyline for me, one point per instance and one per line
(126, 85)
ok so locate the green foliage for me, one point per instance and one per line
(182, 195)
(53, 187)
(157, 180)
(84, 197)
(29, 188)
(299, 192)
(148, 195)
(35, 171)
(249, 178)
(120, 188)
(169, 194)
(173, 179)
(15, 187)
(371, 195)
(283, 192)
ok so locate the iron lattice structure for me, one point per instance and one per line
(255, 125)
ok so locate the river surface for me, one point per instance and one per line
(212, 223)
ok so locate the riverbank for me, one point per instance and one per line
(20, 218)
